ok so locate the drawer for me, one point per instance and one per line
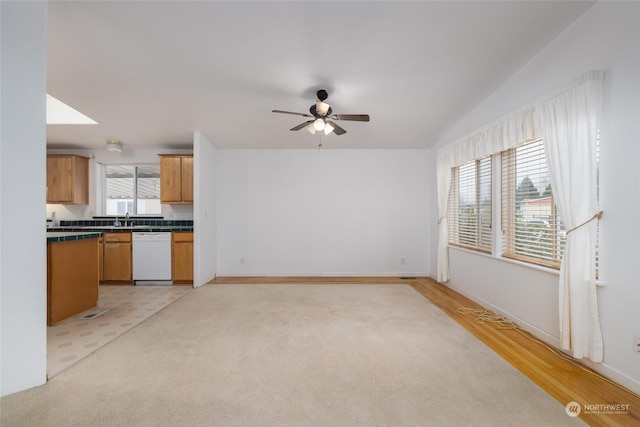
(117, 237)
(184, 236)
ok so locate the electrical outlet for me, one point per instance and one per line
(402, 260)
(241, 260)
(636, 343)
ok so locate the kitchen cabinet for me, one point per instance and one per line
(101, 258)
(182, 258)
(176, 179)
(67, 179)
(72, 278)
(116, 258)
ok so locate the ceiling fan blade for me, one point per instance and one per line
(291, 112)
(337, 129)
(352, 117)
(302, 125)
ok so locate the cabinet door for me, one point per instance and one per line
(80, 188)
(67, 179)
(182, 258)
(59, 179)
(170, 180)
(187, 179)
(117, 261)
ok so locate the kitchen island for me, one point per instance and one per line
(72, 274)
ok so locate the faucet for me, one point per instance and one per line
(126, 219)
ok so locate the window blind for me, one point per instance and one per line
(531, 228)
(133, 189)
(470, 205)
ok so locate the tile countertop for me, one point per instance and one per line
(109, 229)
(64, 234)
(59, 236)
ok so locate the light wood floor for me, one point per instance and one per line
(562, 377)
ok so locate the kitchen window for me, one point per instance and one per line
(470, 205)
(132, 189)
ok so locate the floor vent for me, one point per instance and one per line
(93, 314)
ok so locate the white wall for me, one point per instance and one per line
(23, 280)
(605, 37)
(322, 212)
(97, 158)
(205, 245)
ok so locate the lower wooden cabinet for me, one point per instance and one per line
(182, 258)
(72, 278)
(116, 262)
(116, 258)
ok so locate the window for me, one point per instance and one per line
(531, 228)
(132, 189)
(470, 205)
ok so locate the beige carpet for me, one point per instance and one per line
(291, 355)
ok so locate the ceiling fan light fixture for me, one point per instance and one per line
(322, 108)
(311, 129)
(328, 129)
(319, 124)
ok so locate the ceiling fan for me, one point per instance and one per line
(323, 116)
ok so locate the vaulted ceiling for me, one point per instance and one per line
(151, 73)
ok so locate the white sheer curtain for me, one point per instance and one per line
(444, 182)
(567, 119)
(569, 126)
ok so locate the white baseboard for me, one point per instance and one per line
(323, 274)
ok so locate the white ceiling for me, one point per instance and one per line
(152, 73)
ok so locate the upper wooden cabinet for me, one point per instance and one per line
(176, 179)
(67, 179)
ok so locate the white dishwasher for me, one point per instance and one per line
(152, 258)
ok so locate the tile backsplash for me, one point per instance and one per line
(135, 220)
